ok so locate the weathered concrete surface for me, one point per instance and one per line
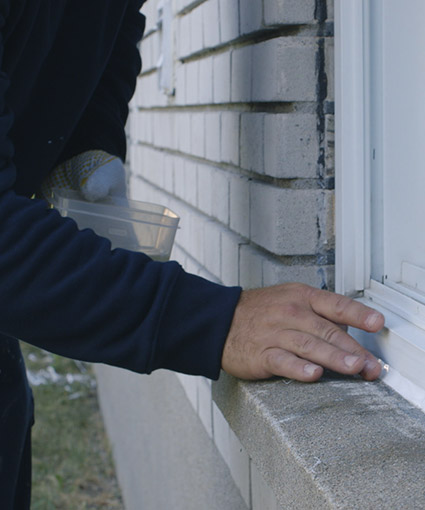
(341, 443)
(164, 457)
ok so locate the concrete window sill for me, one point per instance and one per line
(341, 443)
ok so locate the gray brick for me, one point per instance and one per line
(242, 74)
(149, 165)
(156, 48)
(184, 132)
(192, 82)
(252, 141)
(250, 267)
(163, 130)
(284, 70)
(168, 173)
(284, 221)
(212, 248)
(146, 51)
(251, 14)
(220, 189)
(206, 80)
(230, 122)
(275, 272)
(229, 19)
(198, 134)
(211, 23)
(196, 30)
(149, 10)
(195, 242)
(278, 12)
(240, 205)
(179, 177)
(205, 189)
(143, 127)
(230, 258)
(221, 77)
(291, 147)
(180, 94)
(212, 136)
(184, 42)
(190, 193)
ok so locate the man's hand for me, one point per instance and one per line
(296, 331)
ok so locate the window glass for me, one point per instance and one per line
(397, 151)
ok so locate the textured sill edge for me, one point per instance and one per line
(339, 443)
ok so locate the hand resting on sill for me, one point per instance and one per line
(295, 331)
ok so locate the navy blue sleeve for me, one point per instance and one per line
(103, 122)
(66, 291)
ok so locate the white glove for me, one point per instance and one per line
(96, 174)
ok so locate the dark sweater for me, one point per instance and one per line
(68, 70)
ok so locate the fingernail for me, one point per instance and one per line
(372, 320)
(351, 360)
(309, 369)
(370, 365)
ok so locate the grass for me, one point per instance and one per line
(72, 463)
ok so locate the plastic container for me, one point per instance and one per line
(129, 224)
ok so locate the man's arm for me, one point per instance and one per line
(102, 125)
(65, 290)
(295, 331)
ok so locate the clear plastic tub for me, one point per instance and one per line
(129, 224)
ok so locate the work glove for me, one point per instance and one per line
(95, 174)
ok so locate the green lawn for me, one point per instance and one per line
(72, 465)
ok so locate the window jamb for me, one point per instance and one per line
(351, 206)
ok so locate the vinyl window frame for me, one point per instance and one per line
(401, 344)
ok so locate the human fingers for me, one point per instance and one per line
(343, 310)
(320, 352)
(283, 363)
(306, 320)
(337, 336)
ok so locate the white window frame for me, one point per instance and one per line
(401, 344)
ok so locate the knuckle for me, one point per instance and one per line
(342, 303)
(325, 331)
(332, 335)
(271, 361)
(305, 344)
(313, 293)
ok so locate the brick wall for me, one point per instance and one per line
(241, 147)
(242, 150)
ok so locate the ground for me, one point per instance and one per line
(72, 463)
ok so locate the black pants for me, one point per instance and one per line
(16, 419)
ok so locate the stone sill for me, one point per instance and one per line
(339, 443)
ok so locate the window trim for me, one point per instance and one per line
(401, 344)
